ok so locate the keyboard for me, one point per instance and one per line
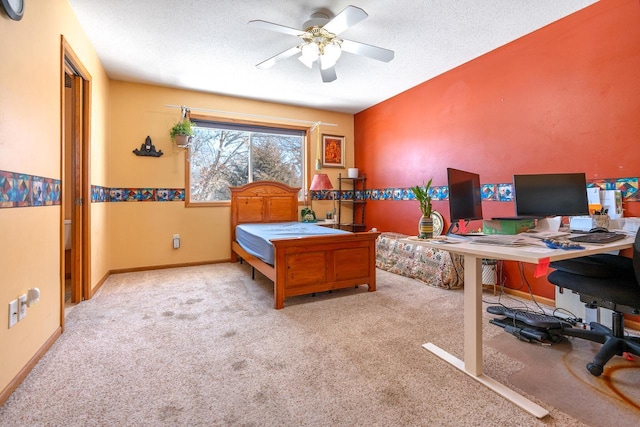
(525, 332)
(607, 237)
(530, 318)
(500, 239)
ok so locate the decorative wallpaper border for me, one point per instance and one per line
(138, 194)
(18, 190)
(23, 190)
(490, 192)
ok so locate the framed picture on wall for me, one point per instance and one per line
(333, 151)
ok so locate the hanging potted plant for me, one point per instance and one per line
(182, 132)
(425, 226)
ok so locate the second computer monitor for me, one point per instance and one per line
(546, 195)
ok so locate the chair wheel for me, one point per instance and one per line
(594, 369)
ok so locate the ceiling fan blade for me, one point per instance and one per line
(328, 75)
(367, 50)
(350, 16)
(275, 27)
(279, 57)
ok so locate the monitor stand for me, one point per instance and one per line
(453, 229)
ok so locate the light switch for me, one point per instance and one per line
(13, 313)
(22, 307)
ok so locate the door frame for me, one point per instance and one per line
(80, 147)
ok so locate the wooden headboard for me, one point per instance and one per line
(263, 201)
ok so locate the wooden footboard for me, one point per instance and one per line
(323, 263)
(316, 264)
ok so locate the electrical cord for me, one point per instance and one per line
(571, 317)
(522, 307)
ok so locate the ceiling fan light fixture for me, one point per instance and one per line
(330, 56)
(310, 53)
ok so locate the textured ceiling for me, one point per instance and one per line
(206, 45)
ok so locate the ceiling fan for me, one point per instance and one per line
(320, 41)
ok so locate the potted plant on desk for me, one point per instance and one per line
(425, 226)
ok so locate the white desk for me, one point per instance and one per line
(473, 255)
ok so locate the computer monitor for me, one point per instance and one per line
(465, 201)
(546, 195)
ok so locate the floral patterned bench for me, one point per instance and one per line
(431, 266)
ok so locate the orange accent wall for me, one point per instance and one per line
(565, 98)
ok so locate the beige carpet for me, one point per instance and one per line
(565, 381)
(203, 346)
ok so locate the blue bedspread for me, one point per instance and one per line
(256, 238)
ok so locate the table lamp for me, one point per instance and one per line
(320, 182)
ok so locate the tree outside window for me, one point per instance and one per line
(230, 154)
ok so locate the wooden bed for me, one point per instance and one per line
(302, 265)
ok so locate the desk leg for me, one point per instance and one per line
(473, 314)
(472, 364)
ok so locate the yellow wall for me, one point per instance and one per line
(30, 142)
(122, 235)
(141, 231)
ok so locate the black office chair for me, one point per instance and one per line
(608, 281)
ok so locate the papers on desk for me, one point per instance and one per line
(546, 234)
(483, 239)
(446, 241)
(533, 244)
(438, 240)
(502, 240)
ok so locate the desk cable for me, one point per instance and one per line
(572, 318)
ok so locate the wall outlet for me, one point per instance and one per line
(13, 313)
(176, 241)
(22, 307)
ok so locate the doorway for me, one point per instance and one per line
(75, 188)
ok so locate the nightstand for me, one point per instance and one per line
(331, 223)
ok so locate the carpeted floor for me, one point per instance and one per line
(203, 346)
(567, 384)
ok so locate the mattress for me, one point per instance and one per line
(256, 238)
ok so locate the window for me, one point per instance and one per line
(232, 154)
